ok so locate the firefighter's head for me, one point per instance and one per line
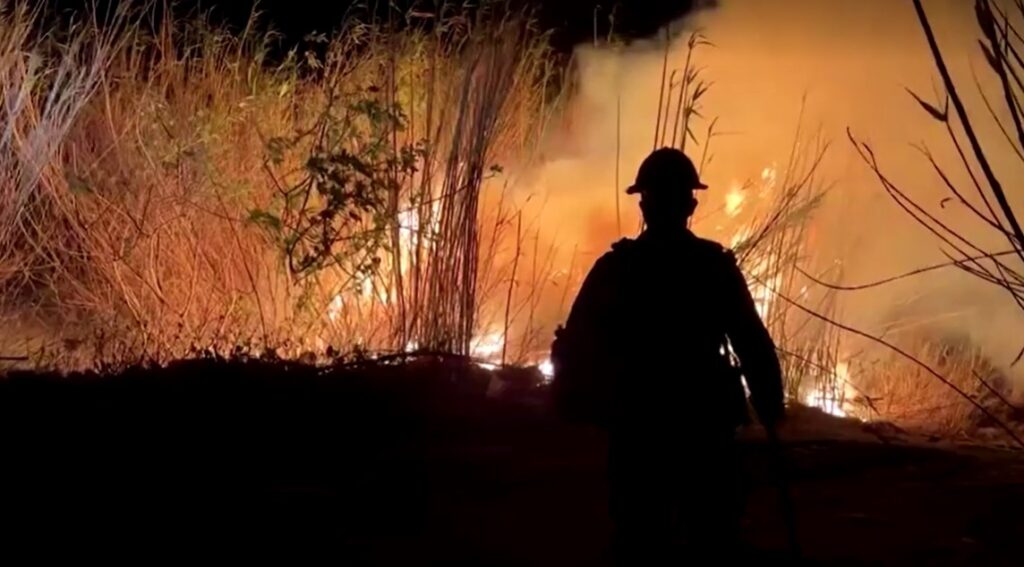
(666, 182)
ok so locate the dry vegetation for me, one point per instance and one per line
(170, 190)
(962, 380)
(175, 192)
(902, 392)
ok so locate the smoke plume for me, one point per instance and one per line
(824, 67)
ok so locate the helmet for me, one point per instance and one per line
(666, 169)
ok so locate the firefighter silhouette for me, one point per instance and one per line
(644, 354)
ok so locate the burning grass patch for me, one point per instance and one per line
(900, 391)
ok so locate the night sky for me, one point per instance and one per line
(572, 21)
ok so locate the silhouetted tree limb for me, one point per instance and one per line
(986, 22)
(1004, 59)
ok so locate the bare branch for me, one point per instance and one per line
(903, 276)
(993, 181)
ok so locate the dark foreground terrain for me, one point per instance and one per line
(417, 465)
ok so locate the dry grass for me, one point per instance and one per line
(900, 391)
(985, 199)
(132, 157)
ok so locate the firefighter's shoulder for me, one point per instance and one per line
(616, 257)
(715, 250)
(624, 245)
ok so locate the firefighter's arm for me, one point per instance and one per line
(754, 346)
(580, 349)
(595, 296)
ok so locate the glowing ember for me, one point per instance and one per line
(734, 201)
(826, 403)
(762, 300)
(833, 400)
(762, 293)
(547, 369)
(843, 371)
(488, 346)
(334, 309)
(409, 221)
(768, 177)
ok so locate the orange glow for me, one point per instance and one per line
(734, 201)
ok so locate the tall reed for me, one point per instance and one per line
(161, 183)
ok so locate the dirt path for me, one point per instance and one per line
(541, 502)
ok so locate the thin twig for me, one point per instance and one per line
(912, 273)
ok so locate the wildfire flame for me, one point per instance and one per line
(834, 400)
(488, 346)
(547, 369)
(734, 201)
(335, 307)
(768, 178)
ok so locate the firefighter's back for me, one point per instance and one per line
(672, 331)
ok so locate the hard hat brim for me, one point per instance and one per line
(636, 189)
